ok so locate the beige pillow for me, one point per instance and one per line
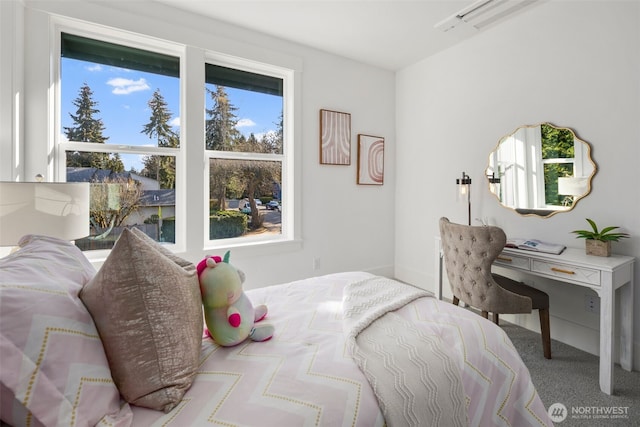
(188, 265)
(148, 311)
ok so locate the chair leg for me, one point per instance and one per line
(485, 314)
(545, 332)
(456, 301)
(496, 320)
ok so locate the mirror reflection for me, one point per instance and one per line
(540, 170)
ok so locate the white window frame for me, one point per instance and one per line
(191, 232)
(287, 77)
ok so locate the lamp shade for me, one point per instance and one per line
(52, 209)
(572, 186)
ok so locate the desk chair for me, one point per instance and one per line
(469, 252)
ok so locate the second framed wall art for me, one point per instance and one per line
(370, 160)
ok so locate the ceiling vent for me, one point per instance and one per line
(481, 14)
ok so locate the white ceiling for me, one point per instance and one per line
(386, 34)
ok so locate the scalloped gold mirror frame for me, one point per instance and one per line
(540, 170)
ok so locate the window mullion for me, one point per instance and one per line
(195, 227)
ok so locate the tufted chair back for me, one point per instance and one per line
(469, 252)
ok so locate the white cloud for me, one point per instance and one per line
(259, 136)
(175, 122)
(94, 67)
(242, 123)
(126, 86)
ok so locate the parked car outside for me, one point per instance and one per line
(273, 205)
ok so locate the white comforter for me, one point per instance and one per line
(415, 379)
(496, 385)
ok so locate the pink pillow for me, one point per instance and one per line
(54, 368)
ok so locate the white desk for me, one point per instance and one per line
(604, 275)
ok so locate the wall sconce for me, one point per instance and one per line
(464, 191)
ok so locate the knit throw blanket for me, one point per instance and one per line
(415, 381)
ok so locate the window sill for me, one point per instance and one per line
(245, 249)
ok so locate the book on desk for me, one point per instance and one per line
(534, 245)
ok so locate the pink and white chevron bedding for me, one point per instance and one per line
(433, 363)
(54, 371)
(305, 376)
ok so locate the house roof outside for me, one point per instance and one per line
(93, 175)
(151, 194)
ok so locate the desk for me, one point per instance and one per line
(604, 275)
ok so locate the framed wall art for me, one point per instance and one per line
(370, 160)
(335, 138)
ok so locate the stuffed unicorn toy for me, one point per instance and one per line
(229, 315)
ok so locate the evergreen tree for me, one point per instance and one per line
(221, 134)
(161, 168)
(220, 130)
(88, 128)
(114, 163)
(158, 126)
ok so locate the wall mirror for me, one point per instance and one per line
(540, 170)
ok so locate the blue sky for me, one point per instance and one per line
(122, 97)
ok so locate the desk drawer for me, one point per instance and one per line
(567, 272)
(513, 261)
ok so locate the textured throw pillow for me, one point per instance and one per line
(148, 310)
(53, 370)
(188, 265)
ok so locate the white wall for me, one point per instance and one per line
(575, 64)
(343, 225)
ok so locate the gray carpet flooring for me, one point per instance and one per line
(571, 378)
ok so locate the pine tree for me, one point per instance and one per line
(221, 134)
(162, 168)
(220, 130)
(158, 126)
(87, 128)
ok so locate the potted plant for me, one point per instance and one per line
(598, 242)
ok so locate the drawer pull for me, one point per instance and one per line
(504, 258)
(560, 270)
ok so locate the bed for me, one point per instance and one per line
(350, 349)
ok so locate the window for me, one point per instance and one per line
(244, 145)
(120, 118)
(119, 127)
(557, 159)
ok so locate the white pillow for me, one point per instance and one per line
(54, 369)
